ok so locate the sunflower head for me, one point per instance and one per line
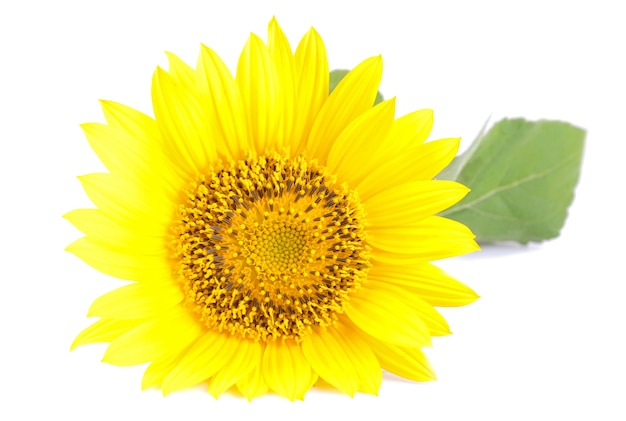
(273, 233)
(269, 247)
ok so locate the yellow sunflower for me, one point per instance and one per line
(275, 234)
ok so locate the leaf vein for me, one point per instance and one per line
(510, 186)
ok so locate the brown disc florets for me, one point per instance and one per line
(269, 247)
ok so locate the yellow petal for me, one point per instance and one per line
(245, 358)
(120, 265)
(137, 124)
(430, 239)
(182, 72)
(223, 106)
(104, 330)
(411, 202)
(421, 163)
(119, 152)
(281, 54)
(407, 362)
(432, 284)
(203, 359)
(436, 324)
(253, 385)
(131, 145)
(389, 317)
(353, 155)
(365, 362)
(158, 370)
(406, 133)
(133, 238)
(257, 79)
(127, 203)
(154, 340)
(286, 370)
(183, 125)
(312, 76)
(354, 95)
(341, 360)
(136, 301)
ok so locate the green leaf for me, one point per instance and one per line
(337, 75)
(522, 175)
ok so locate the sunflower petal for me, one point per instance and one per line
(120, 265)
(312, 76)
(95, 224)
(157, 371)
(281, 54)
(429, 282)
(351, 156)
(354, 95)
(421, 163)
(388, 317)
(130, 145)
(118, 151)
(182, 123)
(181, 71)
(137, 301)
(431, 238)
(153, 340)
(245, 358)
(209, 354)
(104, 330)
(364, 359)
(126, 202)
(436, 324)
(257, 79)
(138, 125)
(286, 370)
(410, 363)
(253, 385)
(224, 107)
(342, 360)
(411, 202)
(406, 133)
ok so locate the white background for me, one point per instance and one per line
(545, 341)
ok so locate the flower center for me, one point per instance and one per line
(269, 247)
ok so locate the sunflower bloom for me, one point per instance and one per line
(274, 234)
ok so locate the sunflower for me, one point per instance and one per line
(275, 234)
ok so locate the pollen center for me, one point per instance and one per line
(269, 247)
